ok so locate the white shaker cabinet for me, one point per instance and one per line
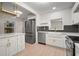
(76, 18)
(12, 48)
(3, 46)
(75, 13)
(56, 39)
(21, 44)
(10, 45)
(8, 6)
(3, 51)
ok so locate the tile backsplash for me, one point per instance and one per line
(71, 28)
(67, 28)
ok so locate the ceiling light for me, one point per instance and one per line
(54, 8)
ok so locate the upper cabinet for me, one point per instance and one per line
(75, 13)
(8, 7)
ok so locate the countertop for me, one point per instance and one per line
(10, 35)
(66, 33)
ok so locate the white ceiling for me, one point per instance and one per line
(25, 12)
(46, 7)
(11, 6)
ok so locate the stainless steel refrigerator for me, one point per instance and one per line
(30, 36)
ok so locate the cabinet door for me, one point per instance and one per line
(3, 51)
(21, 42)
(12, 45)
(50, 41)
(58, 42)
(8, 6)
(76, 17)
(3, 47)
(54, 42)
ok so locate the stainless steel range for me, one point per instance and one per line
(70, 45)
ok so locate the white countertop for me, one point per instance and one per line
(10, 34)
(67, 33)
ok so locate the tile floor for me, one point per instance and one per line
(41, 50)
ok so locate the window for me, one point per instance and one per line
(56, 24)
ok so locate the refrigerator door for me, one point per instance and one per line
(30, 31)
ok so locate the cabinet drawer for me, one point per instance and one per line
(48, 36)
(56, 42)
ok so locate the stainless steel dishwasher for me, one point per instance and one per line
(41, 38)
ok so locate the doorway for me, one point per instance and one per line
(30, 32)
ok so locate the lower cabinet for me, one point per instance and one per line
(11, 45)
(3, 46)
(21, 44)
(3, 51)
(55, 41)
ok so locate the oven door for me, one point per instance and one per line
(69, 48)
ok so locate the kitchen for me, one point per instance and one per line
(30, 26)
